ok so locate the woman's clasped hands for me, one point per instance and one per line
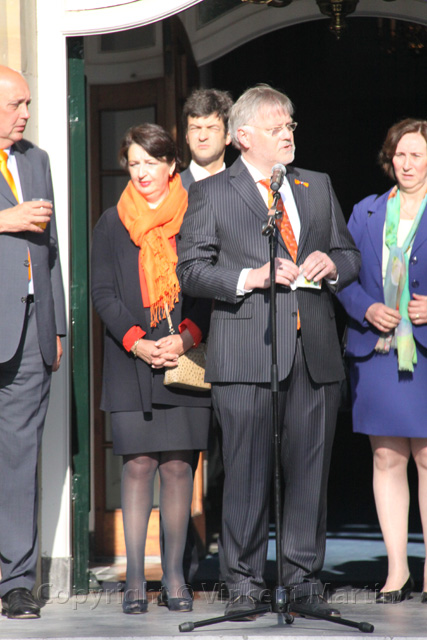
(386, 319)
(165, 351)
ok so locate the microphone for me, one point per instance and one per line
(278, 173)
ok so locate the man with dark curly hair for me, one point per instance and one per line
(205, 116)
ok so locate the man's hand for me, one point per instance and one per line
(317, 266)
(286, 273)
(25, 217)
(59, 352)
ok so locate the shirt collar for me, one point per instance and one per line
(200, 173)
(256, 174)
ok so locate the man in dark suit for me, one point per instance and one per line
(224, 256)
(32, 319)
(205, 115)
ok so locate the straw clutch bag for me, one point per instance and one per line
(190, 371)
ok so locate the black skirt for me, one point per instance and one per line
(165, 429)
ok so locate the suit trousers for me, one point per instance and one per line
(24, 396)
(307, 416)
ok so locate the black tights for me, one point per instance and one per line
(176, 490)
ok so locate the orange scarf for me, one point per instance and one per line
(150, 229)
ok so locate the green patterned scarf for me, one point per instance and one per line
(396, 286)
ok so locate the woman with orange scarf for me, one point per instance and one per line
(154, 427)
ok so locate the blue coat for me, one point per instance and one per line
(366, 225)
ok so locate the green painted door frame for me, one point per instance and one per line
(80, 348)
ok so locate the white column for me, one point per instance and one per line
(55, 530)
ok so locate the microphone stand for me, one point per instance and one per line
(280, 599)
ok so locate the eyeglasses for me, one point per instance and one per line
(275, 131)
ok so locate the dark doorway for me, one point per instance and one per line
(346, 92)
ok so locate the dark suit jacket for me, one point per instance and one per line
(366, 225)
(130, 384)
(35, 178)
(187, 179)
(221, 235)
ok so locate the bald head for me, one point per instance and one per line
(14, 100)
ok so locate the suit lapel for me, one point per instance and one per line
(241, 180)
(301, 195)
(421, 235)
(5, 189)
(25, 173)
(375, 224)
(375, 227)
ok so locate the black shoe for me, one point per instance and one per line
(393, 597)
(243, 605)
(424, 597)
(184, 603)
(20, 604)
(134, 606)
(312, 606)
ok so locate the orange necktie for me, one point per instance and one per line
(285, 228)
(11, 182)
(6, 173)
(284, 224)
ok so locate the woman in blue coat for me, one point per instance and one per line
(387, 341)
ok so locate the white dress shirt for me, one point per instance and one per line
(13, 168)
(200, 173)
(290, 206)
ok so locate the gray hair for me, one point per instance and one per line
(251, 102)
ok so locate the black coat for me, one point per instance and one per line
(130, 384)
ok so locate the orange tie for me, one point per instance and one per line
(11, 182)
(6, 173)
(285, 227)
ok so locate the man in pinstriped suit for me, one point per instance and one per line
(223, 255)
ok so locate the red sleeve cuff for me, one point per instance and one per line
(134, 334)
(196, 334)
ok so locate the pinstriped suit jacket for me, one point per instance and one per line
(34, 174)
(221, 235)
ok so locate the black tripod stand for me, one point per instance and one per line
(280, 599)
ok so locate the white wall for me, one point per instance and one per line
(55, 531)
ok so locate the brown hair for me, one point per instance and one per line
(153, 139)
(394, 135)
(206, 102)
